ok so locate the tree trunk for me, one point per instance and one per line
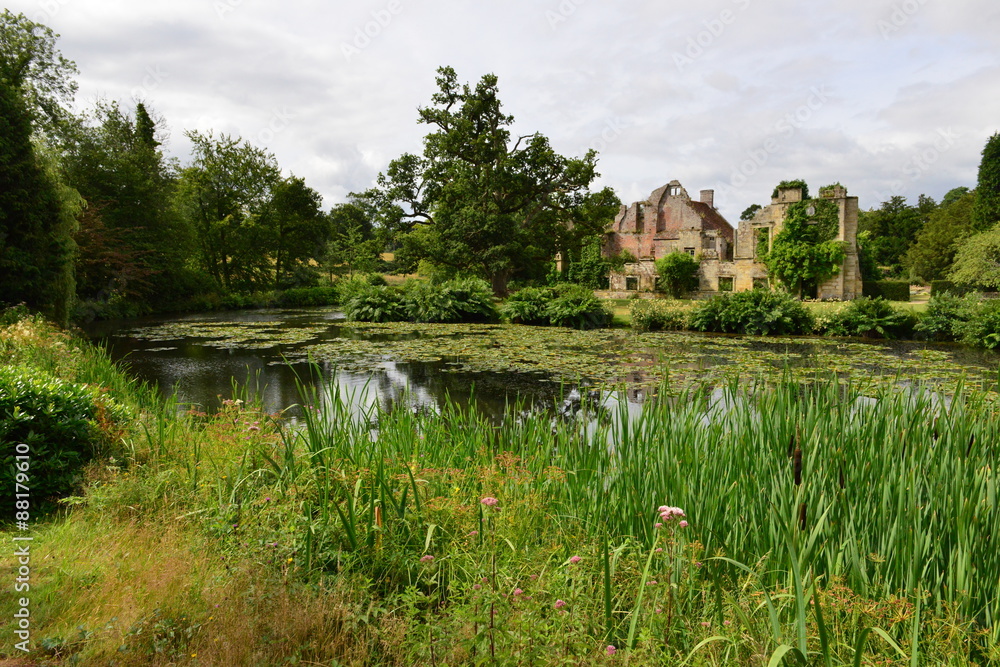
(499, 283)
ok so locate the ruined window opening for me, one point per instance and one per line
(760, 283)
(675, 191)
(763, 241)
(631, 283)
(726, 283)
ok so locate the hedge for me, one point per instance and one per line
(942, 286)
(890, 290)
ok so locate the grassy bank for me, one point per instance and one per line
(718, 528)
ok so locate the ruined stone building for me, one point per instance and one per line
(671, 221)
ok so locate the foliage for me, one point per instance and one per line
(307, 297)
(31, 64)
(981, 326)
(755, 312)
(678, 273)
(62, 425)
(892, 229)
(806, 251)
(460, 300)
(986, 210)
(932, 253)
(797, 183)
(749, 212)
(871, 318)
(375, 303)
(942, 286)
(223, 194)
(945, 311)
(527, 306)
(576, 307)
(977, 261)
(588, 266)
(36, 246)
(659, 315)
(295, 231)
(890, 290)
(483, 203)
(355, 243)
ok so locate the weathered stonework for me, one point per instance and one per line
(670, 221)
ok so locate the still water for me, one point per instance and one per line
(272, 353)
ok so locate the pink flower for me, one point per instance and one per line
(426, 559)
(660, 550)
(611, 650)
(658, 525)
(517, 591)
(706, 624)
(476, 587)
(473, 533)
(666, 513)
(683, 524)
(651, 583)
(575, 559)
(533, 577)
(489, 501)
(559, 604)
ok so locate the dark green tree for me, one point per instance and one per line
(223, 195)
(986, 211)
(892, 229)
(297, 229)
(476, 200)
(932, 253)
(355, 243)
(31, 64)
(678, 273)
(36, 248)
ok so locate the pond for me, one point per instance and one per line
(494, 366)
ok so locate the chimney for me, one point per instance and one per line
(708, 197)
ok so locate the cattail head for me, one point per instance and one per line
(797, 464)
(802, 517)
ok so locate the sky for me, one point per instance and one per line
(888, 97)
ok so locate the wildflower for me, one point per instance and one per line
(473, 533)
(659, 611)
(706, 624)
(267, 499)
(517, 591)
(489, 501)
(683, 524)
(651, 583)
(727, 622)
(666, 513)
(290, 560)
(533, 577)
(485, 580)
(559, 604)
(611, 650)
(575, 559)
(476, 587)
(658, 525)
(426, 559)
(253, 428)
(659, 550)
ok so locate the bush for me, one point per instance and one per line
(462, 300)
(678, 273)
(300, 297)
(942, 286)
(63, 424)
(472, 299)
(945, 312)
(757, 312)
(528, 306)
(890, 290)
(657, 315)
(375, 303)
(871, 318)
(576, 307)
(981, 328)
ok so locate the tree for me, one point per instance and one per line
(115, 163)
(354, 245)
(805, 252)
(296, 227)
(36, 248)
(223, 194)
(932, 253)
(32, 66)
(476, 201)
(678, 272)
(977, 260)
(986, 211)
(892, 229)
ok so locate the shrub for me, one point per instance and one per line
(871, 318)
(576, 307)
(64, 425)
(299, 297)
(528, 306)
(890, 290)
(678, 273)
(945, 312)
(376, 303)
(756, 312)
(657, 315)
(981, 328)
(472, 299)
(942, 286)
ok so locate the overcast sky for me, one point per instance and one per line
(886, 97)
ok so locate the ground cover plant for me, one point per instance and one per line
(562, 305)
(735, 524)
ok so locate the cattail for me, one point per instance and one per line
(793, 442)
(841, 475)
(934, 433)
(972, 441)
(798, 466)
(802, 516)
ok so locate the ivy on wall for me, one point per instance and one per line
(806, 250)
